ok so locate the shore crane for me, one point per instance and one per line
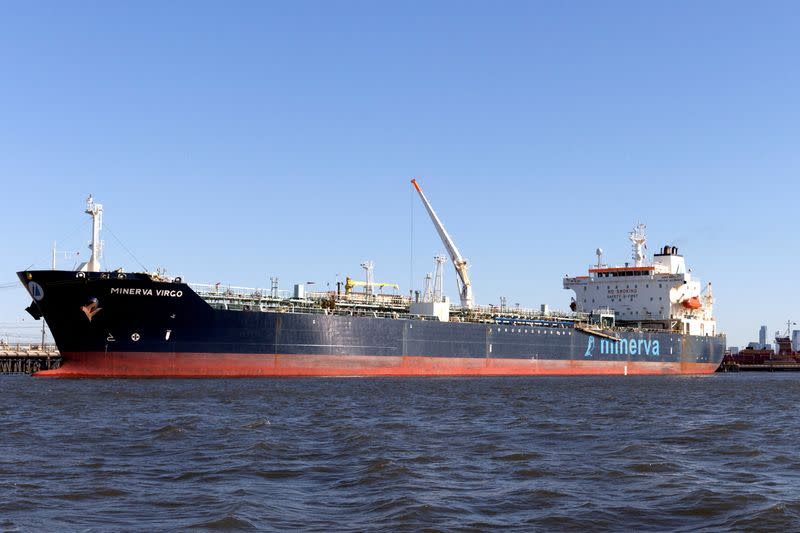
(460, 264)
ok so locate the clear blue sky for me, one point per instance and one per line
(233, 141)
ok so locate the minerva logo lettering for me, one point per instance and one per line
(147, 292)
(624, 347)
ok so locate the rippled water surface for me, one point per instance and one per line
(716, 452)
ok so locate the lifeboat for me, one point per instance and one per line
(692, 303)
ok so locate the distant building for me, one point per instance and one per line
(768, 347)
(753, 346)
(762, 337)
(734, 349)
(796, 340)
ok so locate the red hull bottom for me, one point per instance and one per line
(205, 365)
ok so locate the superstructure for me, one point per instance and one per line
(661, 295)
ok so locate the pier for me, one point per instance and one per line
(776, 366)
(28, 358)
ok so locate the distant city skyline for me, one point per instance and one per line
(233, 143)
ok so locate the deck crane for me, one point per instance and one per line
(350, 283)
(459, 262)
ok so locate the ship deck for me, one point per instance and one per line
(393, 306)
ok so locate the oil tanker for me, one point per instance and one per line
(648, 317)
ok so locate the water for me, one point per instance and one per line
(716, 452)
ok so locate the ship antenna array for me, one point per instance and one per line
(460, 264)
(639, 240)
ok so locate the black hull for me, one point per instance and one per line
(129, 324)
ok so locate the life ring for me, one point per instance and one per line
(80, 275)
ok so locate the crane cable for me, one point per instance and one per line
(145, 269)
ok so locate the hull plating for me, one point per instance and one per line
(202, 365)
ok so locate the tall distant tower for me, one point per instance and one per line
(796, 340)
(762, 337)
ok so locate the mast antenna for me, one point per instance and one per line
(96, 246)
(438, 280)
(639, 240)
(427, 293)
(369, 268)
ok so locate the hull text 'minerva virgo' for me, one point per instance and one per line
(649, 318)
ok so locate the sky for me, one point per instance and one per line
(231, 142)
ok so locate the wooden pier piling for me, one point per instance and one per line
(27, 358)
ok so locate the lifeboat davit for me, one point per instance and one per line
(692, 303)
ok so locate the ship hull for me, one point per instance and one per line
(208, 365)
(128, 325)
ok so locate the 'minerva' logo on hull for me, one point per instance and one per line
(625, 347)
(146, 292)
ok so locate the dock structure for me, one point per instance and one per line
(28, 358)
(771, 366)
